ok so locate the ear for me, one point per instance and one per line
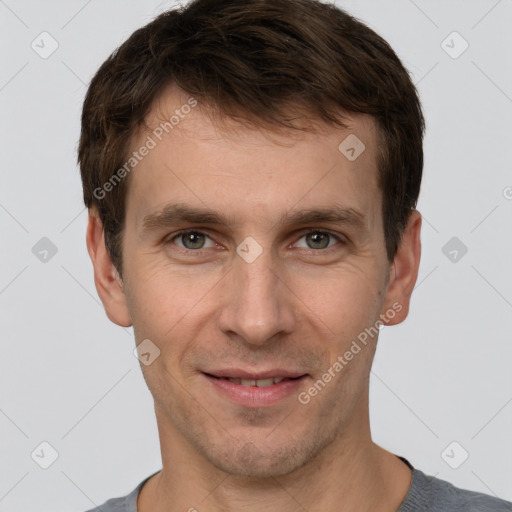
(106, 278)
(403, 273)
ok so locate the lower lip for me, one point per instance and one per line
(253, 396)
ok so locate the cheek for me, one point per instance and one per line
(166, 303)
(344, 300)
(158, 291)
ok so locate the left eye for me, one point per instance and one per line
(318, 240)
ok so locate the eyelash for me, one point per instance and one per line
(327, 250)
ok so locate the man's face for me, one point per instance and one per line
(267, 293)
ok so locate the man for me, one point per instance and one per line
(251, 170)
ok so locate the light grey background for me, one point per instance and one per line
(68, 376)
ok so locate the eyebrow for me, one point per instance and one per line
(179, 213)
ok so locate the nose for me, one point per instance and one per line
(257, 304)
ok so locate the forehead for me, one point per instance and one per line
(201, 158)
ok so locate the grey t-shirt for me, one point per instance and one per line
(426, 494)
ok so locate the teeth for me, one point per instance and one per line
(261, 383)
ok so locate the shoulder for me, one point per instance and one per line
(126, 503)
(112, 505)
(428, 493)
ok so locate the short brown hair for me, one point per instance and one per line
(253, 59)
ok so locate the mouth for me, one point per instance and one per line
(260, 383)
(255, 389)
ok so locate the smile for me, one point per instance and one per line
(260, 383)
(256, 392)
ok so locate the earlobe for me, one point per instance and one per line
(403, 273)
(106, 278)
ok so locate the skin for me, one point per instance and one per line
(296, 306)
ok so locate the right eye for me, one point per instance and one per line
(191, 240)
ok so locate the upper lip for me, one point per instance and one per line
(239, 373)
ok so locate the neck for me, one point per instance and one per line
(352, 473)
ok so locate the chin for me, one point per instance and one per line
(262, 460)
